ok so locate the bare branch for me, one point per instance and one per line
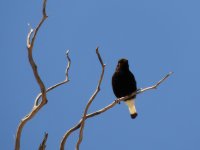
(159, 82)
(90, 102)
(44, 8)
(30, 45)
(44, 17)
(58, 84)
(43, 144)
(23, 122)
(78, 125)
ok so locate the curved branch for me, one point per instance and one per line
(58, 84)
(44, 17)
(30, 45)
(90, 101)
(37, 106)
(77, 126)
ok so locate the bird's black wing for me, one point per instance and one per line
(123, 83)
(131, 83)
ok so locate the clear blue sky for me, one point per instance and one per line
(155, 36)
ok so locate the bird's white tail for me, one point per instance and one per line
(131, 106)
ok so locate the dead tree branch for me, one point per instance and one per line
(78, 125)
(36, 107)
(30, 45)
(43, 144)
(60, 83)
(90, 102)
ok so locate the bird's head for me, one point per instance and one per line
(122, 64)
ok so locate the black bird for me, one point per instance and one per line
(124, 83)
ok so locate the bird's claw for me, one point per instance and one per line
(117, 101)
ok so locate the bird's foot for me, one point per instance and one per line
(117, 101)
(138, 90)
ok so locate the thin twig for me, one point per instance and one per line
(68, 65)
(77, 126)
(90, 101)
(43, 144)
(60, 83)
(44, 17)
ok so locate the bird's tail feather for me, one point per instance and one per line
(131, 106)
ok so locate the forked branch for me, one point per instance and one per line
(78, 125)
(37, 106)
(30, 45)
(60, 83)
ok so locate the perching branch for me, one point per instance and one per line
(90, 102)
(43, 144)
(78, 125)
(37, 106)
